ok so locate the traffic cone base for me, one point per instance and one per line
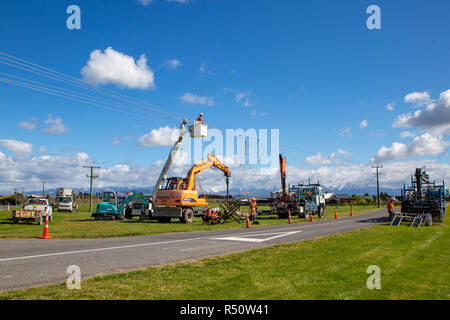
(290, 218)
(311, 217)
(351, 211)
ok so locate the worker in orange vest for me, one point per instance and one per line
(200, 118)
(207, 217)
(390, 207)
(253, 207)
(215, 216)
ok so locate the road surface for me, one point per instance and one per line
(26, 263)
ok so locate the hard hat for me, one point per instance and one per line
(253, 198)
(201, 113)
(393, 198)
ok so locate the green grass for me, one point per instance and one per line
(82, 225)
(414, 265)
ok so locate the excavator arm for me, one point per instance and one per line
(210, 161)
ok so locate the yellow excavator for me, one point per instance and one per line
(179, 197)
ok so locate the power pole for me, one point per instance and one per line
(43, 189)
(92, 178)
(378, 182)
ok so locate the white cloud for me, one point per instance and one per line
(43, 149)
(435, 117)
(391, 106)
(172, 64)
(423, 145)
(146, 3)
(255, 113)
(116, 141)
(418, 98)
(164, 136)
(241, 96)
(204, 69)
(407, 134)
(19, 149)
(27, 125)
(55, 126)
(346, 132)
(196, 100)
(320, 159)
(363, 124)
(118, 68)
(56, 170)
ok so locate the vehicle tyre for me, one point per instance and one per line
(187, 216)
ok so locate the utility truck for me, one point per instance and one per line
(34, 210)
(301, 199)
(65, 200)
(423, 201)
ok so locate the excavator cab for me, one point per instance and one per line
(173, 183)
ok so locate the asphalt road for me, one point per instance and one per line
(28, 263)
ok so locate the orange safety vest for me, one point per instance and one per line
(253, 207)
(390, 205)
(200, 119)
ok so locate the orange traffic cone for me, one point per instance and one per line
(351, 211)
(248, 222)
(311, 217)
(335, 213)
(46, 234)
(290, 217)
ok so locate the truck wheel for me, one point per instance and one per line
(187, 216)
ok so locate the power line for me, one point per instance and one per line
(58, 76)
(74, 97)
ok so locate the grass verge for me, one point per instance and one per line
(81, 225)
(414, 265)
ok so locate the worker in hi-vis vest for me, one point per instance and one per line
(200, 118)
(253, 206)
(390, 207)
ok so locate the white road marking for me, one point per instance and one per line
(247, 238)
(300, 225)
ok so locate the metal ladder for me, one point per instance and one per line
(398, 217)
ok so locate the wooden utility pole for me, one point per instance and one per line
(378, 182)
(43, 189)
(92, 178)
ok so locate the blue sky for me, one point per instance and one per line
(309, 68)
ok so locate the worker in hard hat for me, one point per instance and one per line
(207, 216)
(215, 216)
(200, 118)
(390, 207)
(253, 207)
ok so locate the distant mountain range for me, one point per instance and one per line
(237, 193)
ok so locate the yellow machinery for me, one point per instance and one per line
(180, 198)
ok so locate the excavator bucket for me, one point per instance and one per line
(198, 130)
